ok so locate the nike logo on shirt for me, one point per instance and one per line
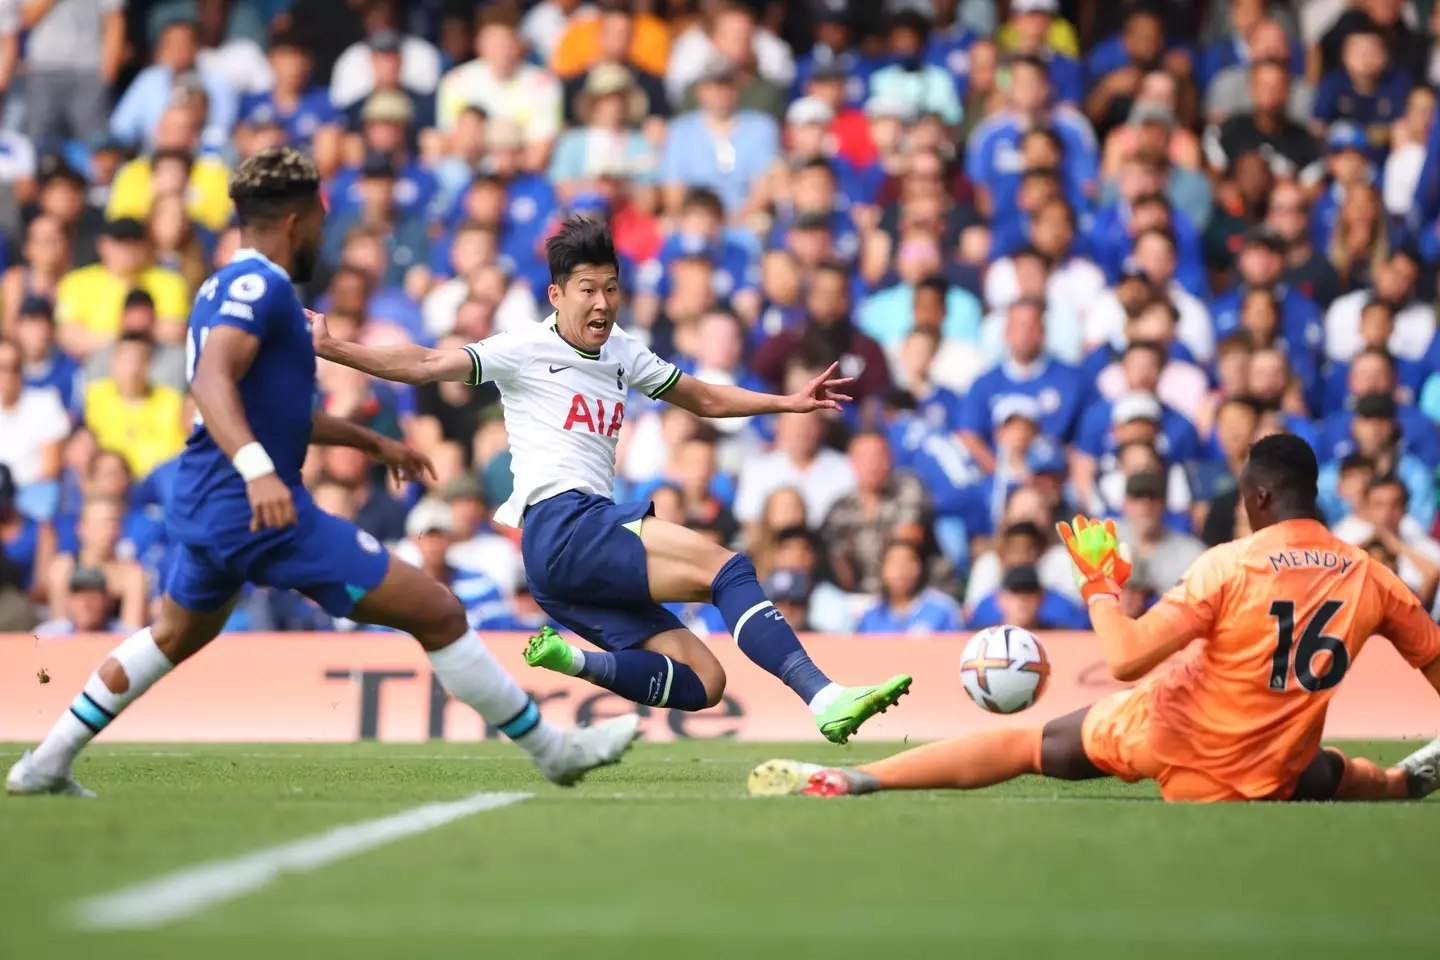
(555, 369)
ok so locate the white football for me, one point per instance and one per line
(1004, 669)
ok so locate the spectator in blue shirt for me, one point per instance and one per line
(311, 122)
(906, 605)
(1022, 601)
(717, 146)
(993, 161)
(1301, 332)
(1406, 377)
(386, 66)
(45, 365)
(1375, 435)
(1117, 66)
(404, 232)
(1365, 91)
(1233, 49)
(1027, 371)
(149, 94)
(701, 233)
(1373, 371)
(1030, 24)
(388, 118)
(1348, 168)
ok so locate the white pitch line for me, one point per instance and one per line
(187, 892)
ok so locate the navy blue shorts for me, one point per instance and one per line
(587, 572)
(329, 560)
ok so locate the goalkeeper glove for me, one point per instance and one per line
(1100, 562)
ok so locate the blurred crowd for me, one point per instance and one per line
(1077, 255)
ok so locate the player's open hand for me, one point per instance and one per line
(405, 465)
(271, 506)
(1100, 562)
(822, 393)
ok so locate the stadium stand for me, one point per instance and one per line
(1076, 254)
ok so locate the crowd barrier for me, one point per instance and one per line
(346, 687)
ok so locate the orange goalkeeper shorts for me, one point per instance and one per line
(1116, 738)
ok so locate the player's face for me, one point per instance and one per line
(587, 305)
(307, 230)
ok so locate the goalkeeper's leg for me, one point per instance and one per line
(966, 762)
(1334, 776)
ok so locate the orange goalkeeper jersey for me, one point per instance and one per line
(1283, 614)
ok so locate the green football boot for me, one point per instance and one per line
(855, 705)
(549, 650)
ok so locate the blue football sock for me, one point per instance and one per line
(644, 676)
(760, 630)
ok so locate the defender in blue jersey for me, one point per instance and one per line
(606, 570)
(240, 513)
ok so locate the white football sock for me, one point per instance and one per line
(823, 700)
(94, 708)
(577, 661)
(468, 671)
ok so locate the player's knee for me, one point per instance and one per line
(712, 677)
(444, 622)
(1062, 750)
(720, 558)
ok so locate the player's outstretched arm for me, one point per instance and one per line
(405, 464)
(407, 363)
(1132, 648)
(717, 400)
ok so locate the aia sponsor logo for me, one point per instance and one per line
(594, 418)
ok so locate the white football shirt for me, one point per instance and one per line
(563, 407)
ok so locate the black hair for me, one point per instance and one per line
(1024, 528)
(1164, 303)
(1248, 402)
(1390, 480)
(1148, 346)
(293, 39)
(936, 283)
(895, 398)
(830, 266)
(1374, 302)
(1286, 466)
(272, 184)
(1046, 133)
(797, 532)
(173, 153)
(1356, 461)
(1168, 236)
(135, 336)
(1042, 173)
(139, 298)
(580, 242)
(1030, 60)
(701, 197)
(910, 19)
(816, 163)
(1380, 352)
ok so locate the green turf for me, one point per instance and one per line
(665, 857)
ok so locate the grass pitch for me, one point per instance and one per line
(666, 857)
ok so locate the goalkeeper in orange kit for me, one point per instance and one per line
(1280, 616)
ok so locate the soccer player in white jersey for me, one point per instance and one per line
(600, 568)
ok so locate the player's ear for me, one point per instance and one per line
(553, 292)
